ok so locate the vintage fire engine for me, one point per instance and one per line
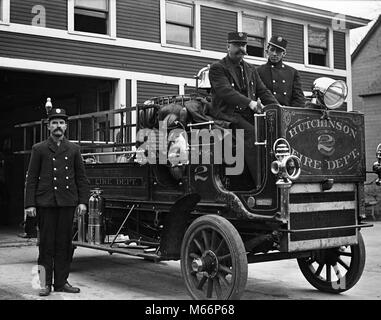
(306, 201)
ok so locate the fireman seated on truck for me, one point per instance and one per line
(237, 92)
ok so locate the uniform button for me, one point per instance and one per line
(272, 66)
(284, 93)
(65, 158)
(54, 159)
(274, 92)
(55, 188)
(67, 187)
(67, 178)
(273, 81)
(282, 65)
(284, 81)
(66, 168)
(55, 169)
(55, 178)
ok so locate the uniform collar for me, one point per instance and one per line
(234, 63)
(278, 65)
(232, 67)
(55, 148)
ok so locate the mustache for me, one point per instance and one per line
(242, 51)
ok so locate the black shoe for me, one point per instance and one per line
(67, 288)
(45, 291)
(27, 235)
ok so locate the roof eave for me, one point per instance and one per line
(351, 21)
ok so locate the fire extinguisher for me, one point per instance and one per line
(94, 232)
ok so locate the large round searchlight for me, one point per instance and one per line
(332, 92)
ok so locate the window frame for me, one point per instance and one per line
(265, 36)
(196, 37)
(111, 23)
(4, 12)
(330, 54)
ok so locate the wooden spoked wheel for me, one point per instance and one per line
(335, 270)
(213, 259)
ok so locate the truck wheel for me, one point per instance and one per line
(335, 270)
(213, 259)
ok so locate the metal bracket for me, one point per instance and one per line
(124, 221)
(256, 142)
(357, 226)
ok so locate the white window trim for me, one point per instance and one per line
(111, 22)
(348, 67)
(330, 47)
(240, 14)
(196, 28)
(5, 10)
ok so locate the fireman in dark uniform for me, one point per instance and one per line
(282, 80)
(237, 92)
(56, 185)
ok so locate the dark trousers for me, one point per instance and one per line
(55, 247)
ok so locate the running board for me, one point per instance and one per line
(132, 250)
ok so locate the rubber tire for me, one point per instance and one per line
(352, 276)
(236, 247)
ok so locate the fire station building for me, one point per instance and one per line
(94, 55)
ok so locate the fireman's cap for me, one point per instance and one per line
(279, 42)
(237, 37)
(57, 113)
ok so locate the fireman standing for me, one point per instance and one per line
(282, 80)
(56, 185)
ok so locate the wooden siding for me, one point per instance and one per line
(366, 69)
(99, 55)
(138, 20)
(372, 129)
(366, 72)
(215, 25)
(339, 50)
(147, 90)
(294, 34)
(55, 10)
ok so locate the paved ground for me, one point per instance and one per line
(101, 276)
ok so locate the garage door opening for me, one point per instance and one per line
(23, 96)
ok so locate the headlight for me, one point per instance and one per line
(292, 167)
(286, 166)
(334, 92)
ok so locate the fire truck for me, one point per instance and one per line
(160, 193)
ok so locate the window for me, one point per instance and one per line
(91, 16)
(317, 46)
(179, 24)
(256, 34)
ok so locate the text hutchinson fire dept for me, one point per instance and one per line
(328, 164)
(117, 181)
